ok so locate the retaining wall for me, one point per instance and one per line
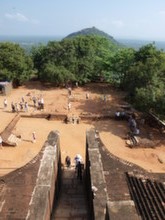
(9, 128)
(48, 181)
(100, 206)
(96, 185)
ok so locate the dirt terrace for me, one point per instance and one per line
(102, 100)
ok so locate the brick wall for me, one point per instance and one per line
(96, 185)
(48, 180)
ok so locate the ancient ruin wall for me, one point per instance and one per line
(48, 180)
(96, 185)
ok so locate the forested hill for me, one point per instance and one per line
(93, 31)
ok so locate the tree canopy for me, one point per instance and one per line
(142, 74)
(15, 65)
(82, 58)
(90, 58)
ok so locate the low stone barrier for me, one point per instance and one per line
(48, 181)
(101, 208)
(96, 185)
(9, 128)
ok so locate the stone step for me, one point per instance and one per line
(77, 202)
(71, 214)
(72, 203)
(13, 139)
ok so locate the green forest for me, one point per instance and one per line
(91, 58)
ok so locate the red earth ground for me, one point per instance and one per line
(73, 136)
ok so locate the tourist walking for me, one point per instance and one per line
(79, 171)
(34, 137)
(68, 161)
(0, 142)
(12, 107)
(69, 106)
(26, 107)
(5, 103)
(34, 101)
(78, 158)
(16, 107)
(42, 103)
(69, 91)
(78, 166)
(21, 106)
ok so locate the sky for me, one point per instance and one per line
(129, 19)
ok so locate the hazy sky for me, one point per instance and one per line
(137, 19)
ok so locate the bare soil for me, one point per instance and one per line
(102, 100)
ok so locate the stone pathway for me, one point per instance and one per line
(72, 203)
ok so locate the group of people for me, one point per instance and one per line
(38, 102)
(23, 105)
(72, 119)
(78, 160)
(120, 115)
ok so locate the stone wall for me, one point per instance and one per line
(9, 128)
(6, 88)
(101, 207)
(48, 181)
(96, 185)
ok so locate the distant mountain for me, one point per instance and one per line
(93, 31)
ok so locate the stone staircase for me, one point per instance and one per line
(13, 139)
(8, 138)
(72, 202)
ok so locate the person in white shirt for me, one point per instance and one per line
(78, 158)
(5, 103)
(0, 142)
(42, 103)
